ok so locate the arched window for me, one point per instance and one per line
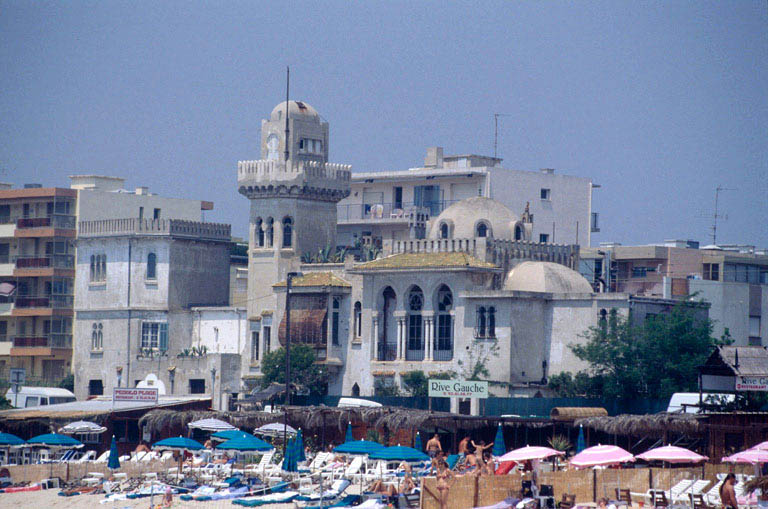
(415, 351)
(259, 232)
(93, 267)
(481, 230)
(358, 320)
(287, 232)
(387, 340)
(518, 233)
(444, 337)
(98, 267)
(151, 266)
(97, 337)
(355, 390)
(443, 231)
(270, 231)
(103, 269)
(491, 322)
(480, 328)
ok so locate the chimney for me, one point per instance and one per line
(434, 157)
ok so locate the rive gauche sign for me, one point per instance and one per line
(752, 383)
(457, 389)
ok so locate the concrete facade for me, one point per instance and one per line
(135, 319)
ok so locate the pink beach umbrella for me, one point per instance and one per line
(762, 446)
(601, 455)
(529, 453)
(753, 456)
(672, 454)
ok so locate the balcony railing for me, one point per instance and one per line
(59, 261)
(53, 340)
(387, 351)
(416, 354)
(389, 211)
(55, 221)
(44, 301)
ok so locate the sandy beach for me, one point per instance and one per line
(50, 498)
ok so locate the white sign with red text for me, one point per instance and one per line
(143, 395)
(752, 383)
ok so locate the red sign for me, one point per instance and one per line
(144, 395)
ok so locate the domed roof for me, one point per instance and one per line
(296, 109)
(546, 277)
(464, 216)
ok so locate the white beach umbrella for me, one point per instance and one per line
(210, 425)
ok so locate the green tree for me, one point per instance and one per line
(304, 371)
(416, 383)
(654, 360)
(385, 388)
(68, 382)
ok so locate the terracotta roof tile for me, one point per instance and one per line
(316, 279)
(427, 260)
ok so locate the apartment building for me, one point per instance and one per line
(733, 279)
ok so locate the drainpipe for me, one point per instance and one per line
(128, 305)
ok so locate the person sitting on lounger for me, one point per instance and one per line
(142, 447)
(407, 485)
(381, 488)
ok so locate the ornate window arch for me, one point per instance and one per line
(483, 229)
(444, 230)
(287, 231)
(151, 266)
(259, 232)
(443, 350)
(415, 330)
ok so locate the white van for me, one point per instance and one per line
(38, 396)
(688, 402)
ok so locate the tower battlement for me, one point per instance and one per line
(309, 179)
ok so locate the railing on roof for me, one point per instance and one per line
(171, 227)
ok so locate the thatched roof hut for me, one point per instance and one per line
(650, 425)
(568, 413)
(316, 417)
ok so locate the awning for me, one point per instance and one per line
(7, 289)
(307, 326)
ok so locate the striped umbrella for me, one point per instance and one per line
(229, 434)
(601, 455)
(417, 442)
(55, 441)
(289, 462)
(178, 444)
(499, 448)
(672, 454)
(10, 439)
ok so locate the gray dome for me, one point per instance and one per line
(296, 109)
(463, 217)
(546, 277)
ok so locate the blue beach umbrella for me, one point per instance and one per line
(417, 442)
(580, 443)
(230, 434)
(399, 453)
(245, 444)
(178, 444)
(358, 447)
(8, 439)
(289, 462)
(499, 447)
(114, 456)
(348, 437)
(300, 454)
(55, 441)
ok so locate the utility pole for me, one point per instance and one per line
(718, 190)
(496, 131)
(287, 110)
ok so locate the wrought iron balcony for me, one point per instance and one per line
(387, 351)
(58, 261)
(53, 221)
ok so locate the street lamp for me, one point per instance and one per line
(213, 387)
(288, 282)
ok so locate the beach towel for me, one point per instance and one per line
(337, 488)
(507, 503)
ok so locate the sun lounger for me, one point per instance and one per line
(88, 456)
(103, 458)
(712, 496)
(273, 498)
(337, 488)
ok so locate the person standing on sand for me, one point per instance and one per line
(479, 450)
(434, 446)
(464, 447)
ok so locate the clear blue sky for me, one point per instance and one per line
(659, 102)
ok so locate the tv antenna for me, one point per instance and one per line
(717, 215)
(496, 131)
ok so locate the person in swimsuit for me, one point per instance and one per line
(728, 492)
(479, 450)
(434, 446)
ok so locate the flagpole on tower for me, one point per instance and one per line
(287, 90)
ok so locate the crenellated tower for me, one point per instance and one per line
(293, 201)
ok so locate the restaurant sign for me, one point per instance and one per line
(752, 383)
(457, 389)
(143, 395)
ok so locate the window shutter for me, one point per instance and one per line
(163, 341)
